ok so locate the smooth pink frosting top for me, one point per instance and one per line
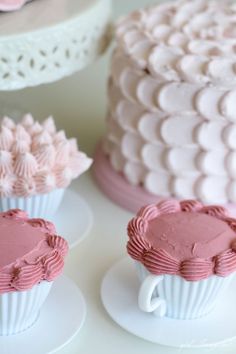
(30, 251)
(184, 238)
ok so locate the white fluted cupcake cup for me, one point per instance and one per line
(37, 206)
(174, 297)
(20, 309)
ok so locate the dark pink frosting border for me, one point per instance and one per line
(160, 262)
(23, 275)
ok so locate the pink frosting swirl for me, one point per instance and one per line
(40, 255)
(39, 158)
(6, 138)
(15, 214)
(6, 185)
(25, 165)
(45, 226)
(151, 240)
(24, 187)
(6, 162)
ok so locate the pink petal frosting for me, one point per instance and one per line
(184, 238)
(30, 251)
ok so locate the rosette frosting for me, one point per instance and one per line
(171, 124)
(184, 238)
(30, 251)
(35, 158)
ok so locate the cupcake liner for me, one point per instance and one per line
(187, 299)
(37, 206)
(20, 309)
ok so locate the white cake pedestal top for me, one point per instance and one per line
(49, 39)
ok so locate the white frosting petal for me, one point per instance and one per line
(128, 83)
(154, 157)
(117, 159)
(183, 187)
(230, 163)
(184, 134)
(209, 135)
(134, 173)
(158, 183)
(212, 189)
(231, 191)
(192, 68)
(208, 103)
(149, 126)
(181, 161)
(131, 146)
(146, 92)
(212, 162)
(228, 105)
(222, 70)
(128, 115)
(162, 60)
(177, 97)
(229, 136)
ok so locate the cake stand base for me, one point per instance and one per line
(119, 294)
(120, 191)
(61, 318)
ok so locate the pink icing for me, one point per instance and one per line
(30, 251)
(37, 157)
(184, 238)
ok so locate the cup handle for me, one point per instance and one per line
(146, 301)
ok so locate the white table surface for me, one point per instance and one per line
(78, 104)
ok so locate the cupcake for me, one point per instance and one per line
(31, 258)
(12, 5)
(185, 255)
(37, 164)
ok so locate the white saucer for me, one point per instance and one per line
(61, 318)
(74, 218)
(119, 293)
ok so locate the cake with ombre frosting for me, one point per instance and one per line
(171, 126)
(30, 251)
(35, 158)
(12, 5)
(184, 238)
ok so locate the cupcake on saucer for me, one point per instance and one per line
(185, 255)
(37, 164)
(31, 258)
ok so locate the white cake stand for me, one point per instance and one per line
(49, 39)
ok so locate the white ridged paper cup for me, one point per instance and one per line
(19, 310)
(37, 206)
(174, 297)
